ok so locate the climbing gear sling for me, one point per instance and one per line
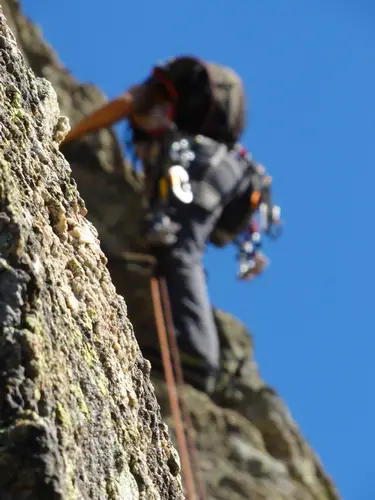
(179, 408)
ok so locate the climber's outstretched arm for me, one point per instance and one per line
(136, 101)
(106, 116)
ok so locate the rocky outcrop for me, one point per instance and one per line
(78, 414)
(249, 445)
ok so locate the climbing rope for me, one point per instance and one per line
(172, 391)
(169, 349)
(175, 354)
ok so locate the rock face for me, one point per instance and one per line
(249, 445)
(78, 414)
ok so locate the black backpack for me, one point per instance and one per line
(254, 193)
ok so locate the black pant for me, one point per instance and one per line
(181, 263)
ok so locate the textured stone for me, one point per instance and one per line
(78, 414)
(249, 445)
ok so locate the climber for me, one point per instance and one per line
(191, 114)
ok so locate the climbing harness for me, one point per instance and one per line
(171, 359)
(175, 156)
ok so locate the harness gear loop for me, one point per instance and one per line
(172, 392)
(175, 355)
(163, 189)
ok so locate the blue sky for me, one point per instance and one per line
(308, 67)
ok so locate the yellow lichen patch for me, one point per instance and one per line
(134, 434)
(103, 384)
(91, 312)
(77, 333)
(87, 320)
(133, 401)
(80, 398)
(75, 267)
(27, 416)
(89, 355)
(63, 416)
(35, 326)
(14, 97)
(112, 490)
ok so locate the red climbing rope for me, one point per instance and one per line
(172, 391)
(175, 354)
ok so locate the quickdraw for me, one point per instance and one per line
(252, 262)
(249, 244)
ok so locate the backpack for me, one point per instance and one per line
(226, 118)
(220, 89)
(254, 194)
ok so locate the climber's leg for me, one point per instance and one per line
(181, 264)
(194, 324)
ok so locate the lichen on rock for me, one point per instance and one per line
(78, 414)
